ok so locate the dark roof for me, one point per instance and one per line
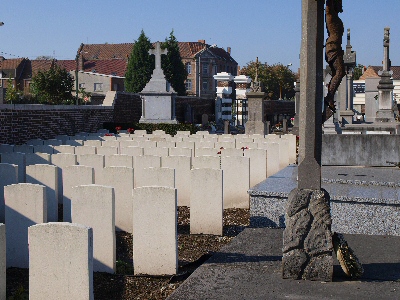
(106, 51)
(122, 51)
(114, 67)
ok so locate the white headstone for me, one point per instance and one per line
(155, 247)
(96, 161)
(119, 160)
(26, 205)
(37, 158)
(258, 165)
(180, 152)
(94, 206)
(62, 160)
(61, 261)
(74, 176)
(8, 176)
(182, 166)
(156, 177)
(18, 159)
(64, 149)
(79, 150)
(121, 179)
(46, 175)
(209, 162)
(236, 181)
(206, 201)
(107, 150)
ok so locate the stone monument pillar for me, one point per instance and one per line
(295, 129)
(307, 239)
(385, 87)
(346, 103)
(224, 96)
(255, 100)
(158, 97)
(242, 88)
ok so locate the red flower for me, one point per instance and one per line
(108, 134)
(118, 128)
(131, 130)
(219, 152)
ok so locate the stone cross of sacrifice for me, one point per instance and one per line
(157, 53)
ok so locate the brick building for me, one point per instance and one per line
(201, 60)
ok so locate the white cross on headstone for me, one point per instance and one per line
(157, 53)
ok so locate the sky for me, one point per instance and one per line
(267, 29)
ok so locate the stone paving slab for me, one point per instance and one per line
(250, 268)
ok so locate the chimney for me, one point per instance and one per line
(202, 41)
(81, 63)
(228, 50)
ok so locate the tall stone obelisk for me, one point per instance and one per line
(307, 239)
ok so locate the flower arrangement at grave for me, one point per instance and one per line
(130, 130)
(118, 129)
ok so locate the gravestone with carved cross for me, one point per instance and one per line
(158, 96)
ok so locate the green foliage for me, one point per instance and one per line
(19, 294)
(53, 86)
(278, 80)
(358, 71)
(172, 65)
(82, 94)
(140, 65)
(171, 129)
(12, 94)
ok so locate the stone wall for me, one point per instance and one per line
(20, 123)
(360, 149)
(199, 107)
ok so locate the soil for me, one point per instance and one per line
(193, 250)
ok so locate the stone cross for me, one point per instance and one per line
(386, 43)
(157, 53)
(311, 93)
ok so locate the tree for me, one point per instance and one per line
(140, 65)
(278, 80)
(53, 86)
(12, 94)
(172, 65)
(358, 71)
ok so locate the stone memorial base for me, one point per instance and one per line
(307, 239)
(256, 127)
(158, 107)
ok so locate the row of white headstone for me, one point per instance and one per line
(116, 199)
(62, 256)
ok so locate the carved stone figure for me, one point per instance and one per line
(333, 53)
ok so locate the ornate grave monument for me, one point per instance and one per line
(158, 97)
(385, 87)
(255, 98)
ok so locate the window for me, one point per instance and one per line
(205, 85)
(188, 85)
(81, 85)
(98, 87)
(189, 68)
(205, 69)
